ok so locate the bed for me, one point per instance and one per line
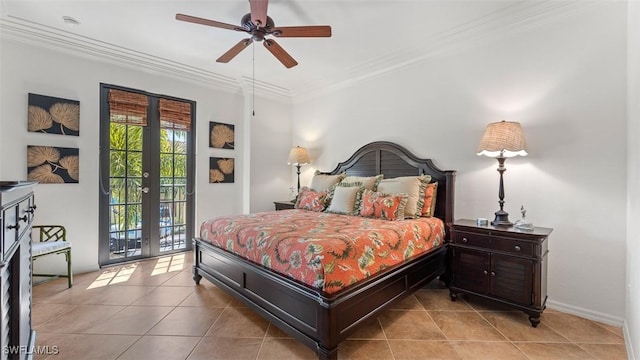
(322, 317)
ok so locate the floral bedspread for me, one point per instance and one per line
(326, 251)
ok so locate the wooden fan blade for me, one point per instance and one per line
(302, 31)
(259, 12)
(235, 50)
(201, 21)
(279, 53)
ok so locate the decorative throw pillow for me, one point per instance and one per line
(368, 182)
(311, 200)
(430, 192)
(383, 206)
(346, 199)
(324, 182)
(413, 186)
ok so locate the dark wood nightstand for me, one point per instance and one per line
(284, 205)
(502, 264)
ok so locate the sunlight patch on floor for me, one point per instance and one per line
(169, 264)
(113, 276)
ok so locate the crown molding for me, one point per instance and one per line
(24, 31)
(517, 18)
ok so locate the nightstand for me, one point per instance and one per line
(284, 205)
(503, 264)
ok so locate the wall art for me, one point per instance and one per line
(221, 136)
(221, 170)
(53, 165)
(52, 115)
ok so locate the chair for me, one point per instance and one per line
(52, 239)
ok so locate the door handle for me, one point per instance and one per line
(145, 189)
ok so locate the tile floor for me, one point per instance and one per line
(153, 310)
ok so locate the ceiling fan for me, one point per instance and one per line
(259, 25)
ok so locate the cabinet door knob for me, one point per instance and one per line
(485, 272)
(464, 240)
(493, 273)
(517, 247)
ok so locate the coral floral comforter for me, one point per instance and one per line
(326, 251)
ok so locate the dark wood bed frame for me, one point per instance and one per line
(319, 320)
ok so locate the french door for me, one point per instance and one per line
(146, 174)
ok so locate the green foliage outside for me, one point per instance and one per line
(125, 170)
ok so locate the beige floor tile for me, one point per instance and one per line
(179, 319)
(440, 300)
(119, 295)
(481, 304)
(422, 350)
(617, 330)
(207, 296)
(78, 319)
(465, 325)
(416, 325)
(274, 331)
(183, 278)
(364, 349)
(409, 303)
(606, 351)
(553, 351)
(41, 313)
(133, 320)
(580, 330)
(43, 292)
(161, 347)
(84, 346)
(165, 296)
(221, 348)
(515, 326)
(75, 295)
(475, 350)
(145, 277)
(372, 330)
(239, 322)
(187, 321)
(282, 348)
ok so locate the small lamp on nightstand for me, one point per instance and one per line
(298, 156)
(502, 140)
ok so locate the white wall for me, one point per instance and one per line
(26, 69)
(565, 82)
(270, 174)
(632, 318)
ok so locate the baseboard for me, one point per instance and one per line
(586, 313)
(627, 342)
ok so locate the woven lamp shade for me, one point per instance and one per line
(298, 156)
(504, 138)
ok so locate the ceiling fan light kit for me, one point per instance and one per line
(259, 25)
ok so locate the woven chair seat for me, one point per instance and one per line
(48, 247)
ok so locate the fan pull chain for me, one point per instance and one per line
(253, 76)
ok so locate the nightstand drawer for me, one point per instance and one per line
(470, 239)
(512, 246)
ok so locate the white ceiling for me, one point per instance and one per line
(369, 37)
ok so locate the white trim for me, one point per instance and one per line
(586, 313)
(627, 341)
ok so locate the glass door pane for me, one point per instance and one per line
(125, 191)
(173, 190)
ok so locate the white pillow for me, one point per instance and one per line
(413, 186)
(323, 182)
(369, 182)
(346, 199)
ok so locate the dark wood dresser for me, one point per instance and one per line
(17, 338)
(502, 264)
